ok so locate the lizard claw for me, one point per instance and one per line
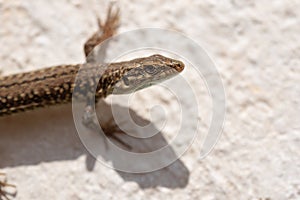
(106, 29)
(3, 184)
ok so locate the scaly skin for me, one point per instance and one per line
(56, 85)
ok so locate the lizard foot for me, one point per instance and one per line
(110, 128)
(106, 29)
(4, 184)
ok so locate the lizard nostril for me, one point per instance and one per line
(179, 66)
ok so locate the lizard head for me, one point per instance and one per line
(143, 72)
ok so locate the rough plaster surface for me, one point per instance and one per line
(256, 49)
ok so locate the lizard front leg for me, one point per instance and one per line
(106, 29)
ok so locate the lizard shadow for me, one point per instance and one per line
(33, 137)
(172, 176)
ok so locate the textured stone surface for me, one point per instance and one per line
(256, 48)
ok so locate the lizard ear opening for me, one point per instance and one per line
(126, 81)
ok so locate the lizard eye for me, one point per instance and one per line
(150, 69)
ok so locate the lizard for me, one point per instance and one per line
(55, 85)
